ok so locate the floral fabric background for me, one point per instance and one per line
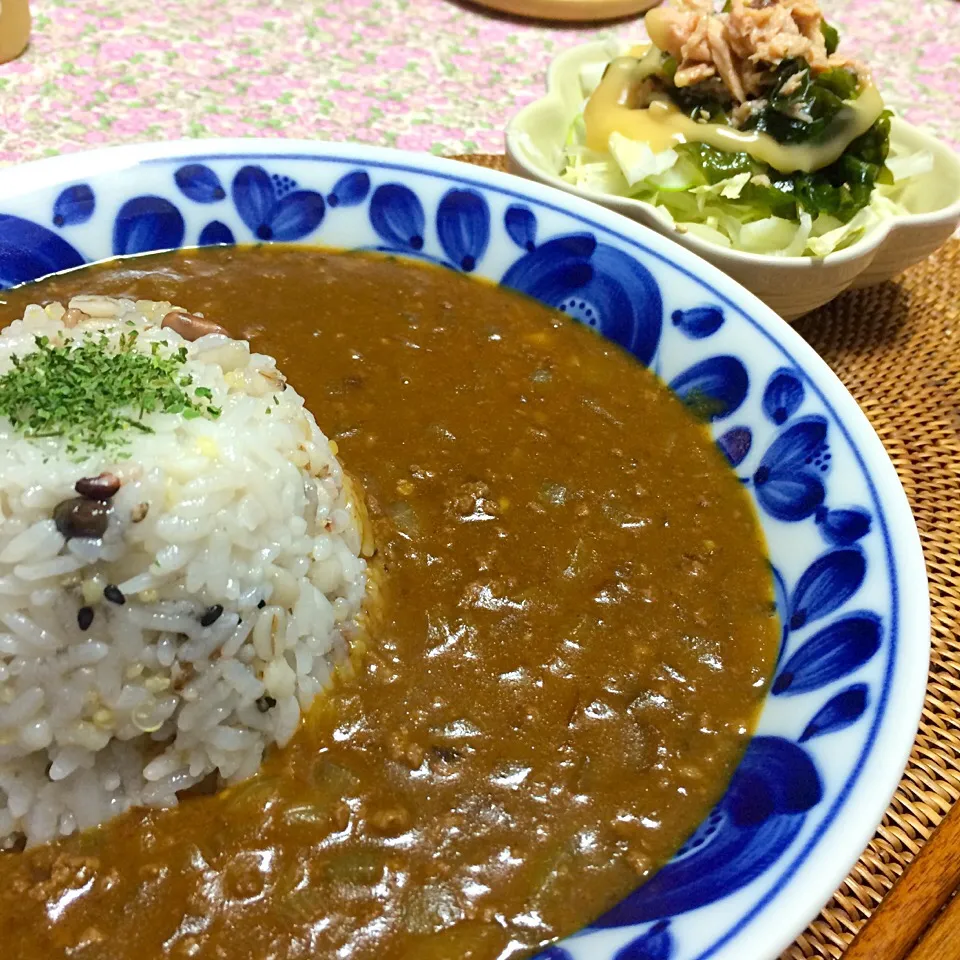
(434, 75)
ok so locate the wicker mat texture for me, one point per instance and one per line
(896, 347)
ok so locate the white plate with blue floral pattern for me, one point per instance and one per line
(845, 700)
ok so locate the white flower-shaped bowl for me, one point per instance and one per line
(790, 285)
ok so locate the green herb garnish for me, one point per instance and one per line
(93, 392)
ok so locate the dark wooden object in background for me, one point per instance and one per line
(569, 11)
(907, 924)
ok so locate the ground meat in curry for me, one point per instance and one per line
(575, 637)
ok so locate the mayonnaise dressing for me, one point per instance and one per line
(662, 125)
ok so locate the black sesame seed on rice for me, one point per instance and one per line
(84, 617)
(113, 593)
(261, 604)
(211, 615)
(266, 703)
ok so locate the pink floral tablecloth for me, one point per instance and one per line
(430, 75)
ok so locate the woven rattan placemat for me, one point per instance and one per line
(896, 347)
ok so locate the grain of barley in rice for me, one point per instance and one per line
(181, 561)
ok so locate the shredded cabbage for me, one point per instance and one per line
(590, 76)
(722, 212)
(636, 159)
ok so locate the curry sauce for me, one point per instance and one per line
(574, 634)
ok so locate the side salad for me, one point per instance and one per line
(745, 127)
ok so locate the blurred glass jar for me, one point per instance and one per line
(14, 28)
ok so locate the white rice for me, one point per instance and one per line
(249, 511)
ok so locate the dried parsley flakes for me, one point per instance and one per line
(93, 392)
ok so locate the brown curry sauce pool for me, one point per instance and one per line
(576, 635)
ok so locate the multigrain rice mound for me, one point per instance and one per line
(174, 591)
